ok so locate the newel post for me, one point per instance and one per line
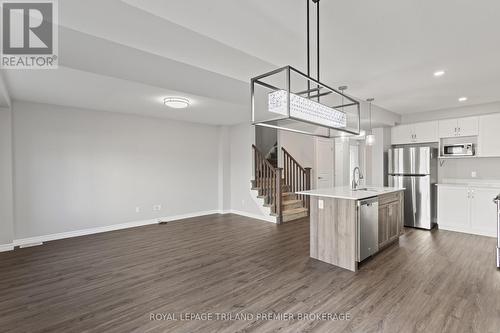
(308, 187)
(277, 200)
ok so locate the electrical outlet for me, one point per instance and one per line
(156, 208)
(320, 204)
(138, 209)
(473, 174)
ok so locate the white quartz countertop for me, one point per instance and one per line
(487, 183)
(345, 192)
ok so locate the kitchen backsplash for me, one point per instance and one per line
(462, 168)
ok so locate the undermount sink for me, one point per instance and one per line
(366, 189)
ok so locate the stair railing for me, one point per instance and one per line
(297, 178)
(268, 179)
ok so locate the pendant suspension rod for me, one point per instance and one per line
(308, 43)
(317, 35)
(308, 52)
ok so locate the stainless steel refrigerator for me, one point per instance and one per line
(415, 169)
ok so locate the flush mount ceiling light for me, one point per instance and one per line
(439, 73)
(290, 100)
(462, 99)
(176, 102)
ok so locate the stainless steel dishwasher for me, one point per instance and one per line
(367, 228)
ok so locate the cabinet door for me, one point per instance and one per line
(453, 208)
(383, 219)
(402, 134)
(489, 129)
(448, 128)
(483, 212)
(393, 224)
(468, 126)
(426, 132)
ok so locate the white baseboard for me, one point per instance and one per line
(39, 240)
(46, 238)
(6, 247)
(25, 245)
(271, 219)
(467, 231)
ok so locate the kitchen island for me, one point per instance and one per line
(347, 225)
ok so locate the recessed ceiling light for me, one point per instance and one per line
(462, 99)
(176, 102)
(439, 73)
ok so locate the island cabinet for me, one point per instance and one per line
(344, 223)
(390, 218)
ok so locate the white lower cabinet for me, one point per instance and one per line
(453, 208)
(467, 209)
(483, 212)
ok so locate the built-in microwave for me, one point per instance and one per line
(462, 149)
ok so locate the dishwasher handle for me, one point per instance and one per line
(368, 202)
(497, 199)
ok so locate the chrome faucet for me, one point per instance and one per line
(355, 183)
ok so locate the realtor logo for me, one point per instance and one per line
(29, 34)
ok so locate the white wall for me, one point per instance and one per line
(6, 191)
(241, 139)
(78, 169)
(300, 146)
(458, 112)
(342, 162)
(376, 163)
(265, 138)
(224, 176)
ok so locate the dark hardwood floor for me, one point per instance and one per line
(435, 281)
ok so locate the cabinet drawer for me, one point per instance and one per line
(387, 198)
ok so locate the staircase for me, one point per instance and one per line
(277, 186)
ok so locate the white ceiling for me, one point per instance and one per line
(208, 50)
(98, 92)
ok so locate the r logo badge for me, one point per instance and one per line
(29, 34)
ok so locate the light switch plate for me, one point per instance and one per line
(320, 204)
(473, 174)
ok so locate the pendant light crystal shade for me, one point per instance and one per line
(289, 100)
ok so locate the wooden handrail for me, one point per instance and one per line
(286, 153)
(297, 178)
(263, 158)
(268, 179)
(272, 181)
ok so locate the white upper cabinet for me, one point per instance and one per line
(468, 126)
(426, 132)
(449, 128)
(415, 133)
(402, 134)
(489, 131)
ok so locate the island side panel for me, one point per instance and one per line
(333, 232)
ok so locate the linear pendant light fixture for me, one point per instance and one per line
(288, 99)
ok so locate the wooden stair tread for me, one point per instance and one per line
(294, 211)
(291, 202)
